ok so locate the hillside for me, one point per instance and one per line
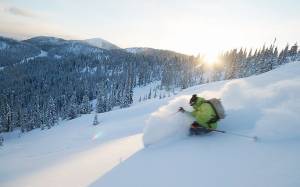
(75, 153)
(101, 43)
(65, 73)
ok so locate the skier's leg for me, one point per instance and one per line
(201, 129)
(191, 131)
(193, 128)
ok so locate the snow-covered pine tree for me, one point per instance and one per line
(24, 121)
(293, 52)
(96, 122)
(150, 94)
(8, 119)
(1, 140)
(51, 114)
(155, 94)
(85, 105)
(37, 113)
(100, 105)
(127, 93)
(73, 107)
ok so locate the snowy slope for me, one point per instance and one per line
(99, 42)
(138, 49)
(265, 105)
(42, 54)
(76, 153)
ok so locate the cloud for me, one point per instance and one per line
(20, 12)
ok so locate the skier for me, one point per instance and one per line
(205, 115)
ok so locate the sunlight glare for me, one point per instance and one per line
(210, 59)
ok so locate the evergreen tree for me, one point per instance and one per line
(85, 105)
(24, 121)
(96, 122)
(8, 119)
(101, 100)
(52, 114)
(73, 107)
(150, 94)
(1, 140)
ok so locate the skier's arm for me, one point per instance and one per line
(189, 113)
(184, 111)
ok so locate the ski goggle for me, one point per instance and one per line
(193, 100)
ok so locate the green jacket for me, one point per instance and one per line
(203, 113)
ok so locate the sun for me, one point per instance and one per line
(210, 59)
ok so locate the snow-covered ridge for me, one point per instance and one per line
(101, 43)
(45, 39)
(137, 49)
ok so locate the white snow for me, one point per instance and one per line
(75, 153)
(101, 43)
(42, 54)
(57, 56)
(89, 70)
(136, 49)
(142, 93)
(166, 123)
(3, 45)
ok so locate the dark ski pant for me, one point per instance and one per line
(197, 129)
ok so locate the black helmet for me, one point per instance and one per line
(193, 100)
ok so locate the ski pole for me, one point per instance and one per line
(235, 134)
(174, 113)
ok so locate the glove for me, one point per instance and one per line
(181, 109)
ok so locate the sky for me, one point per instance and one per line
(208, 27)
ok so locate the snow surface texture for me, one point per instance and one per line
(270, 111)
(265, 105)
(42, 54)
(166, 123)
(76, 153)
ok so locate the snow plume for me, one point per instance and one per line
(270, 111)
(166, 123)
(280, 121)
(267, 105)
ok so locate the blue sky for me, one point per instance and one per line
(187, 26)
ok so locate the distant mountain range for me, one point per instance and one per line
(14, 51)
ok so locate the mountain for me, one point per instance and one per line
(66, 71)
(101, 43)
(60, 47)
(13, 51)
(45, 43)
(265, 105)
